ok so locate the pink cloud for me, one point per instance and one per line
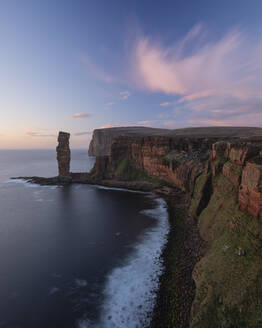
(215, 79)
(77, 134)
(109, 125)
(196, 96)
(171, 71)
(156, 72)
(80, 115)
(37, 134)
(37, 131)
(96, 71)
(124, 95)
(166, 104)
(140, 123)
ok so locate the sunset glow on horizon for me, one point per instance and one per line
(77, 66)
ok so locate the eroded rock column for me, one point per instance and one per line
(63, 154)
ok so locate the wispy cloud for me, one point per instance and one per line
(77, 134)
(80, 115)
(96, 71)
(198, 96)
(166, 104)
(111, 103)
(124, 95)
(140, 123)
(38, 134)
(110, 125)
(221, 79)
(37, 131)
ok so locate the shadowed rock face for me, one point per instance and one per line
(241, 163)
(102, 139)
(180, 160)
(63, 154)
(250, 192)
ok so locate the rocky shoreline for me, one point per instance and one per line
(84, 178)
(183, 250)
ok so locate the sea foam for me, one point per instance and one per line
(130, 291)
(28, 184)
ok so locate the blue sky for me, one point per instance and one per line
(79, 65)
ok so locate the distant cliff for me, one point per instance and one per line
(219, 170)
(102, 139)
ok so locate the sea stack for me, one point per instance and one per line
(63, 154)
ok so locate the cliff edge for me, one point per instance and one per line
(219, 174)
(102, 139)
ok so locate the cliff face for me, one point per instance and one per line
(222, 178)
(180, 160)
(100, 143)
(176, 160)
(227, 205)
(102, 139)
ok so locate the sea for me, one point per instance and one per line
(79, 256)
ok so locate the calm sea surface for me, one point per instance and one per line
(75, 256)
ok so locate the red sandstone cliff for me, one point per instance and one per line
(181, 159)
(177, 160)
(102, 139)
(222, 179)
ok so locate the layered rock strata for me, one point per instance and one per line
(63, 154)
(102, 139)
(221, 180)
(241, 163)
(180, 161)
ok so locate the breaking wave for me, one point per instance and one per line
(131, 290)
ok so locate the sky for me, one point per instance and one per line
(79, 65)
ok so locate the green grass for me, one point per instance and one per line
(125, 170)
(235, 172)
(234, 168)
(198, 195)
(229, 286)
(218, 164)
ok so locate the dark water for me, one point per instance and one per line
(76, 256)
